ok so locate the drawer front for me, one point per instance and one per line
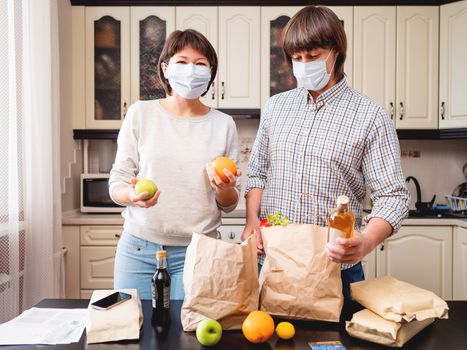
(100, 235)
(97, 267)
(231, 233)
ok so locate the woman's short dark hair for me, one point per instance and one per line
(316, 27)
(179, 40)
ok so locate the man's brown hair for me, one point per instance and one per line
(177, 41)
(316, 27)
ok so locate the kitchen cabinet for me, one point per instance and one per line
(121, 46)
(420, 255)
(369, 265)
(234, 33)
(276, 74)
(460, 263)
(403, 79)
(89, 258)
(453, 70)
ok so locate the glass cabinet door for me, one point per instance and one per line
(107, 66)
(276, 74)
(150, 26)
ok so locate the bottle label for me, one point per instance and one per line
(334, 233)
(166, 297)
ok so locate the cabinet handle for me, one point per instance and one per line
(402, 111)
(117, 235)
(391, 110)
(443, 109)
(222, 90)
(382, 247)
(213, 91)
(231, 235)
(124, 109)
(64, 250)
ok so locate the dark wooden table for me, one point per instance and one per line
(448, 334)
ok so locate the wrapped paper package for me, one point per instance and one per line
(369, 326)
(220, 280)
(117, 323)
(398, 301)
(298, 280)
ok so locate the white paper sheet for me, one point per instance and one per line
(44, 326)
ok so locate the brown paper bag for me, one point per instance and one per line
(297, 279)
(395, 300)
(369, 326)
(118, 323)
(220, 280)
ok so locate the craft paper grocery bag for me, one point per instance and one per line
(396, 300)
(220, 281)
(369, 326)
(297, 279)
(120, 322)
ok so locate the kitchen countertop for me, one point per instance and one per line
(235, 217)
(442, 334)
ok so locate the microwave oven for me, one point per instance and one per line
(95, 196)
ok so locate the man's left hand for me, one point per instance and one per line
(347, 250)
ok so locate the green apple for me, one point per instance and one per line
(209, 332)
(146, 185)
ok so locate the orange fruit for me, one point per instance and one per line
(258, 327)
(221, 163)
(285, 330)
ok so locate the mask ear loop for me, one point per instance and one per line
(332, 68)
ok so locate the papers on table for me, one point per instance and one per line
(44, 326)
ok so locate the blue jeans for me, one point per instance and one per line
(135, 264)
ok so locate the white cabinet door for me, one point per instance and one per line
(369, 265)
(453, 67)
(460, 264)
(417, 67)
(107, 66)
(420, 255)
(231, 233)
(204, 20)
(374, 56)
(150, 26)
(239, 57)
(97, 267)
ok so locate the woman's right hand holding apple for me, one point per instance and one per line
(140, 199)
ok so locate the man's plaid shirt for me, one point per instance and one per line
(307, 153)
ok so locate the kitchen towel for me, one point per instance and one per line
(398, 301)
(220, 280)
(298, 280)
(120, 322)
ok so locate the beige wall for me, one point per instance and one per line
(438, 169)
(70, 153)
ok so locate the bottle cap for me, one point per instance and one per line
(342, 200)
(161, 254)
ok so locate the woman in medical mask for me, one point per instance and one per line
(172, 141)
(323, 140)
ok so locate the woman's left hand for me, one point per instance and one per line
(347, 250)
(217, 183)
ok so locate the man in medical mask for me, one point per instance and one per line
(323, 140)
(172, 141)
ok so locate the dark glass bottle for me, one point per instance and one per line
(161, 295)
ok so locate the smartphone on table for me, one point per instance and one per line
(111, 300)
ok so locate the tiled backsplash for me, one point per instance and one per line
(437, 164)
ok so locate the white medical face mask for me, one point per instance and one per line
(188, 80)
(312, 75)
